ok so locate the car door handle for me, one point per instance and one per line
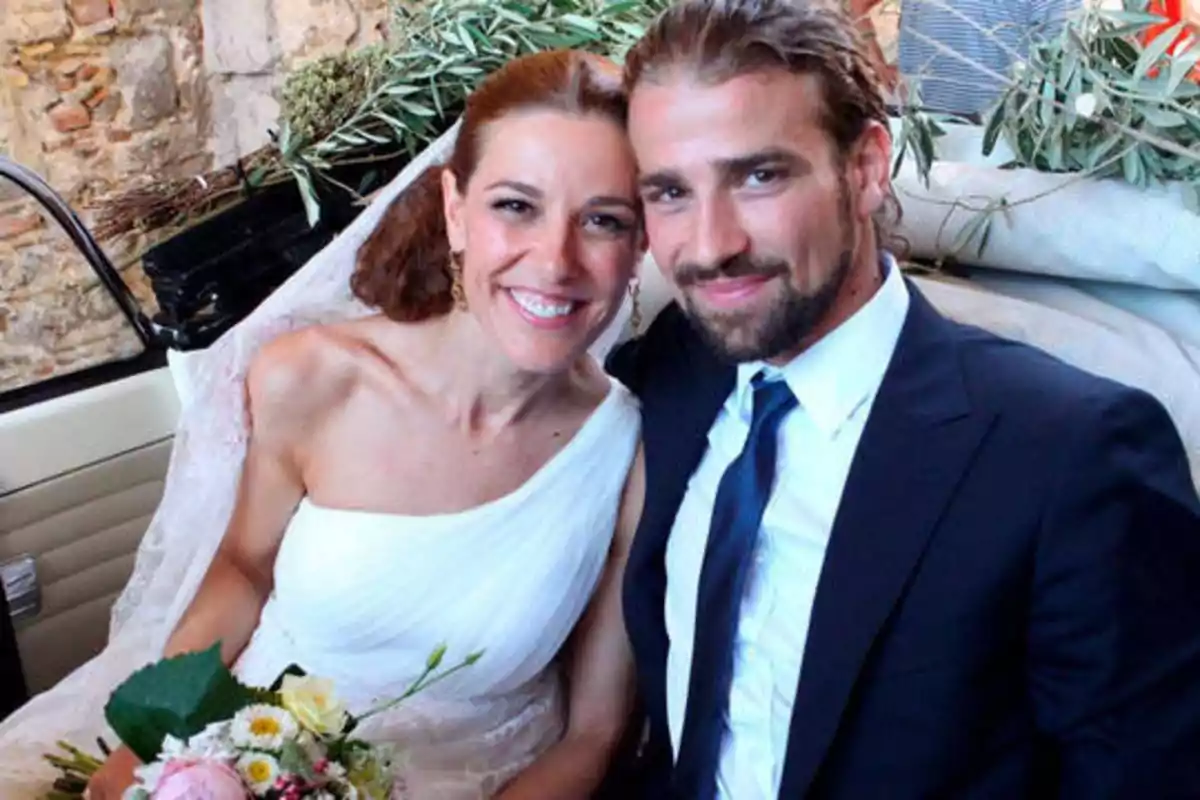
(21, 587)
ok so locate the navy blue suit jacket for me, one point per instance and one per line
(1010, 601)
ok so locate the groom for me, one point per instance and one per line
(883, 555)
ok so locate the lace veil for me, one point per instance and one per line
(210, 439)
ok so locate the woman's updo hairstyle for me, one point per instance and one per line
(403, 268)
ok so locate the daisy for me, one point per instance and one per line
(259, 770)
(263, 727)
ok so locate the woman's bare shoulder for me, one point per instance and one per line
(302, 374)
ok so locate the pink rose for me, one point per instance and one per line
(201, 780)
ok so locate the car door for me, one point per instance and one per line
(83, 457)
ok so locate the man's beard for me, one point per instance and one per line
(741, 336)
(756, 335)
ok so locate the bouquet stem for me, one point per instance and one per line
(76, 768)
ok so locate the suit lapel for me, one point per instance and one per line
(916, 446)
(679, 405)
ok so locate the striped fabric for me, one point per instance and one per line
(993, 34)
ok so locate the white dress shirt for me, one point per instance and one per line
(835, 382)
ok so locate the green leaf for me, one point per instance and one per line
(1156, 50)
(1131, 167)
(900, 147)
(1160, 118)
(992, 131)
(969, 232)
(401, 91)
(1048, 109)
(308, 194)
(351, 139)
(367, 184)
(466, 40)
(293, 759)
(1054, 153)
(1103, 151)
(581, 22)
(1182, 65)
(985, 235)
(177, 696)
(392, 121)
(617, 9)
(256, 176)
(1133, 17)
(416, 109)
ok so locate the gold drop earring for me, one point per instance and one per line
(456, 283)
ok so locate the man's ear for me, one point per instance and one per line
(872, 169)
(453, 204)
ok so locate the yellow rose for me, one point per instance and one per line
(313, 703)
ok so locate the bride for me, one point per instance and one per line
(435, 458)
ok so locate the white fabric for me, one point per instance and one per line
(198, 497)
(835, 382)
(181, 364)
(1100, 230)
(1176, 313)
(1091, 335)
(363, 598)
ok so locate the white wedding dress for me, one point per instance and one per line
(359, 597)
(363, 598)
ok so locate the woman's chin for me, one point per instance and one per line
(538, 358)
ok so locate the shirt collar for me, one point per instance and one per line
(845, 368)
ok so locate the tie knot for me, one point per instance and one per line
(772, 398)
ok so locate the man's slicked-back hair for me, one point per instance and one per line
(716, 40)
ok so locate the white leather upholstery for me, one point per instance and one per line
(82, 529)
(80, 477)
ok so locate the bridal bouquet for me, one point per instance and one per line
(201, 733)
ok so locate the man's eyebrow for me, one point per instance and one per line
(517, 186)
(740, 165)
(734, 165)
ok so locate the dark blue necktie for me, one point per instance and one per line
(737, 516)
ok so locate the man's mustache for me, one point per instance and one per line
(737, 267)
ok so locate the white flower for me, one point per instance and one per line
(1085, 105)
(214, 743)
(148, 776)
(263, 727)
(335, 771)
(172, 747)
(313, 702)
(260, 771)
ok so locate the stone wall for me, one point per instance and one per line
(100, 94)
